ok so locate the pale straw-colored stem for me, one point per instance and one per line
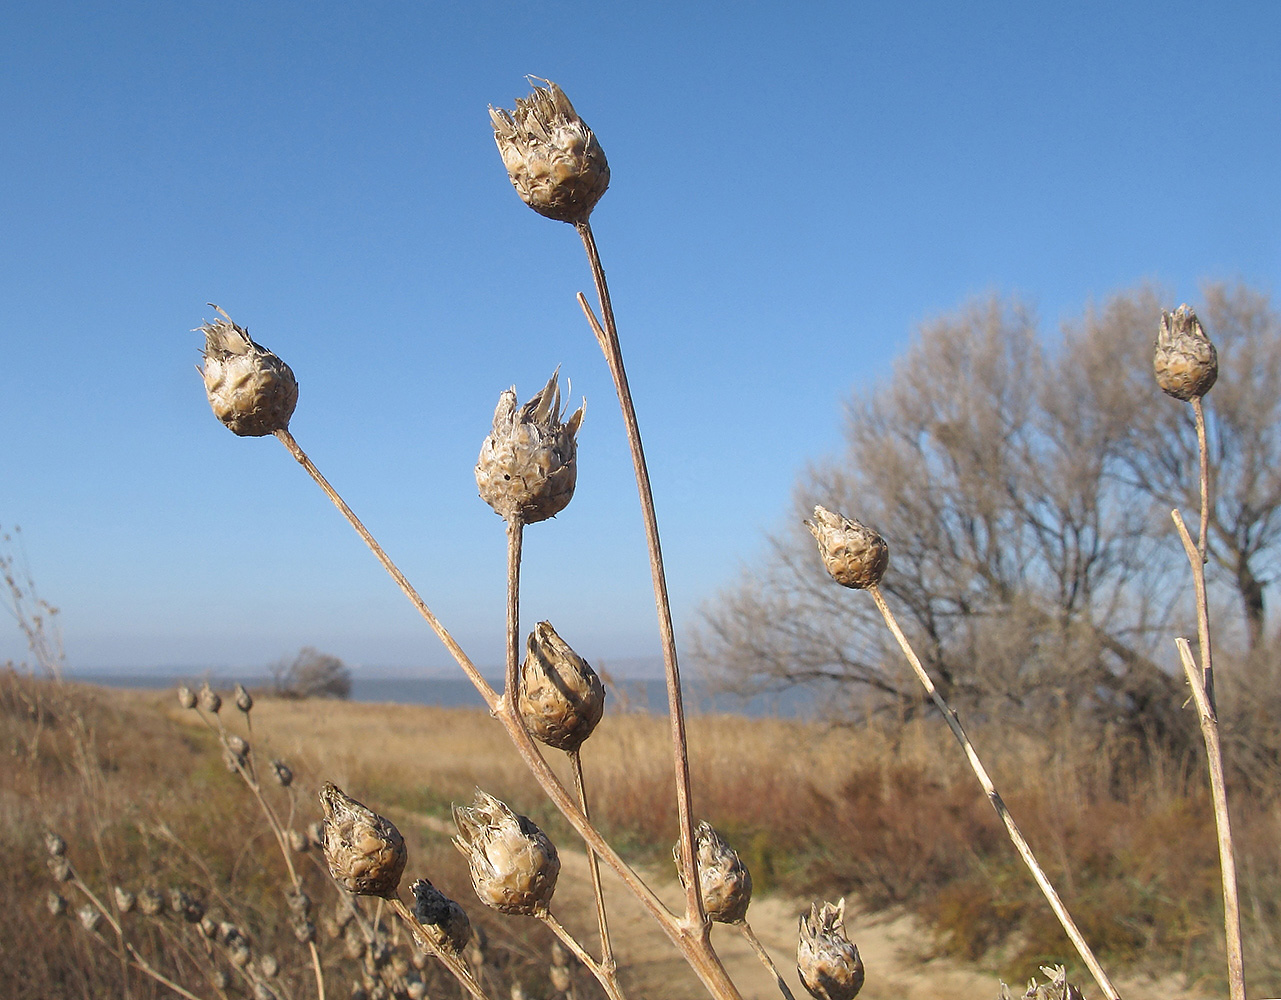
(450, 960)
(606, 977)
(593, 865)
(607, 337)
(1202, 548)
(746, 930)
(692, 941)
(511, 676)
(1011, 828)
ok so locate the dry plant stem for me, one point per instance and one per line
(1198, 568)
(690, 940)
(452, 962)
(515, 535)
(1016, 836)
(593, 865)
(608, 339)
(746, 929)
(606, 979)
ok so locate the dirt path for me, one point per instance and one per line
(895, 948)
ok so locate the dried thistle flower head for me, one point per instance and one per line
(513, 864)
(1185, 361)
(280, 771)
(527, 467)
(90, 918)
(251, 390)
(298, 841)
(238, 745)
(723, 880)
(443, 918)
(366, 853)
(125, 900)
(210, 700)
(54, 844)
(56, 903)
(60, 868)
(854, 554)
(1056, 986)
(183, 904)
(186, 697)
(827, 962)
(561, 699)
(244, 700)
(151, 902)
(552, 157)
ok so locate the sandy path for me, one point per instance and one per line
(895, 948)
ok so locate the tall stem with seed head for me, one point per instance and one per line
(1011, 828)
(607, 337)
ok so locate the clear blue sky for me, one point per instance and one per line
(794, 189)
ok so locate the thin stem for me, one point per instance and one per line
(608, 339)
(515, 534)
(746, 929)
(691, 939)
(1016, 836)
(451, 961)
(606, 978)
(593, 865)
(1198, 567)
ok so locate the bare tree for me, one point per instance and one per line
(1025, 489)
(312, 674)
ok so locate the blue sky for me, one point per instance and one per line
(794, 190)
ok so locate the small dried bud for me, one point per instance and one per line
(353, 943)
(560, 978)
(1056, 988)
(853, 553)
(280, 770)
(210, 700)
(316, 834)
(57, 905)
(186, 697)
(443, 919)
(263, 992)
(561, 699)
(89, 917)
(298, 841)
(513, 864)
(1185, 361)
(416, 990)
(151, 902)
(366, 852)
(238, 746)
(60, 868)
(233, 762)
(183, 904)
(553, 159)
(251, 390)
(125, 900)
(298, 901)
(723, 879)
(828, 964)
(304, 930)
(527, 467)
(268, 966)
(240, 954)
(244, 700)
(208, 926)
(220, 979)
(54, 844)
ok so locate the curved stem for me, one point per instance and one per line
(606, 978)
(593, 865)
(608, 339)
(1011, 828)
(763, 955)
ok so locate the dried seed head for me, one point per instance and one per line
(298, 901)
(560, 978)
(298, 841)
(552, 157)
(1056, 988)
(186, 697)
(853, 553)
(723, 879)
(827, 962)
(244, 700)
(56, 903)
(561, 699)
(304, 930)
(90, 918)
(220, 979)
(513, 864)
(238, 746)
(151, 902)
(240, 954)
(251, 390)
(183, 904)
(268, 966)
(263, 992)
(416, 990)
(1185, 361)
(60, 868)
(234, 763)
(54, 844)
(210, 700)
(366, 853)
(527, 466)
(125, 900)
(443, 918)
(208, 926)
(280, 770)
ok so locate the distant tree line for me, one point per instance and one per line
(311, 674)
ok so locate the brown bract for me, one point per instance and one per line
(513, 865)
(854, 554)
(552, 157)
(827, 962)
(365, 852)
(251, 390)
(527, 467)
(1185, 362)
(723, 879)
(561, 699)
